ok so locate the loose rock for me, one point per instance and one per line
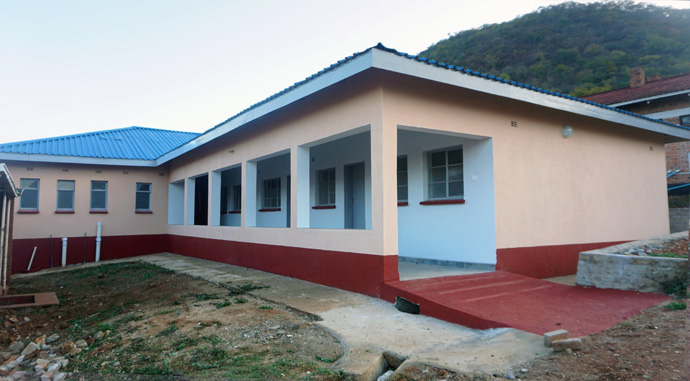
(52, 338)
(16, 347)
(29, 349)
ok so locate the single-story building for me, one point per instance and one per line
(8, 192)
(381, 157)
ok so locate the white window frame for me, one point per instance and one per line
(105, 199)
(237, 198)
(330, 184)
(24, 196)
(57, 201)
(446, 181)
(138, 192)
(268, 201)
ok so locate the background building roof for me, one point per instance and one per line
(668, 85)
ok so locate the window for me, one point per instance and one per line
(143, 197)
(402, 178)
(237, 198)
(223, 200)
(29, 198)
(445, 174)
(326, 187)
(99, 195)
(65, 195)
(272, 193)
(685, 120)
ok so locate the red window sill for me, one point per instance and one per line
(143, 211)
(236, 211)
(443, 202)
(269, 210)
(98, 211)
(27, 211)
(323, 207)
(403, 203)
(64, 212)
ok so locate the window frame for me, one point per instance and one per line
(446, 181)
(398, 174)
(684, 120)
(73, 191)
(267, 198)
(136, 193)
(105, 200)
(236, 198)
(330, 184)
(24, 189)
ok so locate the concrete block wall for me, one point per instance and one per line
(679, 219)
(605, 268)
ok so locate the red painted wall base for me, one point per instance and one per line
(545, 261)
(360, 273)
(80, 249)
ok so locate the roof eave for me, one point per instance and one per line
(391, 62)
(7, 181)
(624, 103)
(76, 160)
(348, 69)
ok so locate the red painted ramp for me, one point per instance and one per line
(501, 299)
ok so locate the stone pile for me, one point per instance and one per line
(42, 357)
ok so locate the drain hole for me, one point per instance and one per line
(404, 305)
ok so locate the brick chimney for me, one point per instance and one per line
(637, 77)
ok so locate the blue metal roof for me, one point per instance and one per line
(130, 143)
(459, 69)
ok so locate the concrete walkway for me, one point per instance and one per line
(366, 326)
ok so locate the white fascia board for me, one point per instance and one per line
(687, 91)
(322, 81)
(5, 174)
(76, 160)
(394, 63)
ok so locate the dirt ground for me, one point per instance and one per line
(156, 322)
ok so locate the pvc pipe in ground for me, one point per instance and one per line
(98, 241)
(64, 252)
(32, 258)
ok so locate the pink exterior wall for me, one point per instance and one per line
(120, 219)
(605, 183)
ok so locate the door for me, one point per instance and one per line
(201, 200)
(354, 196)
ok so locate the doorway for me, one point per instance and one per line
(201, 200)
(354, 196)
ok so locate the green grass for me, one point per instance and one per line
(677, 305)
(223, 304)
(184, 343)
(325, 359)
(240, 300)
(670, 255)
(167, 331)
(265, 308)
(202, 297)
(165, 312)
(251, 287)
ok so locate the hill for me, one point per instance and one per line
(573, 48)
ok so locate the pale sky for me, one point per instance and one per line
(72, 66)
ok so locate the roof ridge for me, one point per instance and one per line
(94, 133)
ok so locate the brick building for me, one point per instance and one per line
(663, 98)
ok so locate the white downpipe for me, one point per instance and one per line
(3, 252)
(98, 242)
(64, 252)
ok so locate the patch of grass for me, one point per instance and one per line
(168, 331)
(208, 358)
(251, 287)
(677, 305)
(223, 304)
(625, 324)
(213, 340)
(240, 300)
(669, 255)
(105, 327)
(325, 359)
(202, 297)
(682, 201)
(165, 312)
(184, 343)
(126, 319)
(678, 287)
(265, 308)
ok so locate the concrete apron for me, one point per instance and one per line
(375, 335)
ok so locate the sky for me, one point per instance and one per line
(70, 66)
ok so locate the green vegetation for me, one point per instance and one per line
(222, 304)
(251, 287)
(265, 308)
(677, 305)
(677, 287)
(573, 48)
(682, 201)
(669, 255)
